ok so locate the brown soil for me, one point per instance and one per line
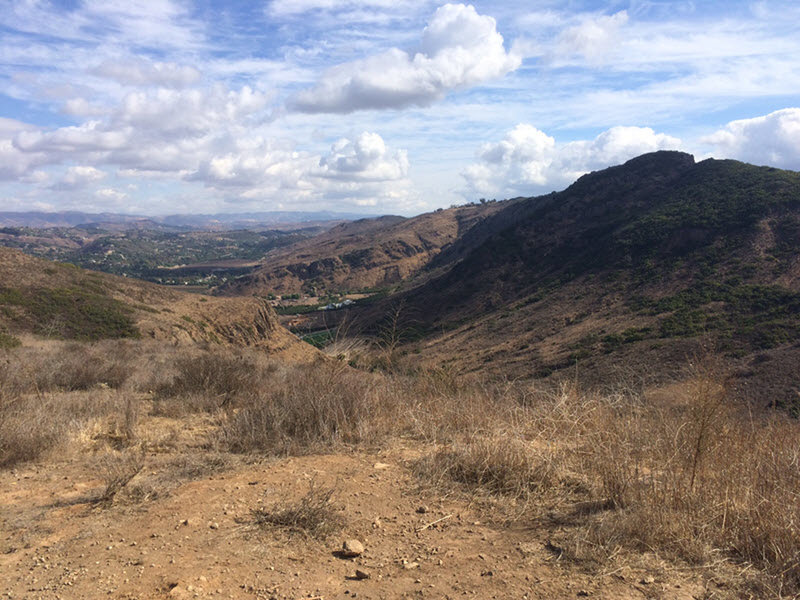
(198, 541)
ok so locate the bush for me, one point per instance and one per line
(310, 408)
(312, 515)
(209, 381)
(29, 427)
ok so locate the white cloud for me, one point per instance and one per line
(459, 49)
(167, 113)
(364, 159)
(528, 161)
(14, 163)
(772, 139)
(593, 37)
(359, 172)
(284, 8)
(78, 177)
(110, 194)
(88, 137)
(135, 71)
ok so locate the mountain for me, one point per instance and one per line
(362, 254)
(213, 222)
(628, 267)
(62, 301)
(161, 255)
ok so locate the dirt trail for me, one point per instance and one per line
(198, 541)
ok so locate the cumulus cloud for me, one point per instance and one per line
(187, 112)
(459, 48)
(15, 163)
(269, 165)
(772, 139)
(154, 130)
(91, 136)
(363, 171)
(364, 159)
(78, 177)
(528, 161)
(110, 194)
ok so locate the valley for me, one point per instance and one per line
(588, 393)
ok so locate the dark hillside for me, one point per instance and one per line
(638, 259)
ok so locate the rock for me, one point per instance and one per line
(422, 509)
(411, 565)
(648, 580)
(362, 574)
(583, 593)
(352, 548)
(214, 525)
(380, 466)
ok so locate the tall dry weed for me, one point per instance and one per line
(308, 408)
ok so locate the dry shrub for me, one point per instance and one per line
(164, 476)
(29, 427)
(77, 366)
(313, 515)
(696, 476)
(208, 381)
(308, 408)
(117, 424)
(518, 443)
(690, 475)
(116, 470)
(497, 464)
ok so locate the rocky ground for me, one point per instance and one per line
(198, 539)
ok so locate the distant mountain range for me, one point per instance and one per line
(223, 221)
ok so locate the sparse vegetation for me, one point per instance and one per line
(313, 515)
(682, 472)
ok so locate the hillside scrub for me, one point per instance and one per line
(679, 471)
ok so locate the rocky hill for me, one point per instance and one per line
(630, 265)
(62, 301)
(363, 254)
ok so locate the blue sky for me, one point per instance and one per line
(376, 106)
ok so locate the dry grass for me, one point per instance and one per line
(683, 473)
(116, 470)
(212, 379)
(312, 515)
(305, 409)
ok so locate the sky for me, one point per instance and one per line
(377, 106)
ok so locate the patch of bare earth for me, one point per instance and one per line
(200, 540)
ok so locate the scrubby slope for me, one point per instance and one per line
(627, 263)
(369, 253)
(61, 301)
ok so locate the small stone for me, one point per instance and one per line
(648, 580)
(352, 548)
(411, 565)
(422, 509)
(362, 574)
(214, 525)
(380, 466)
(583, 593)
